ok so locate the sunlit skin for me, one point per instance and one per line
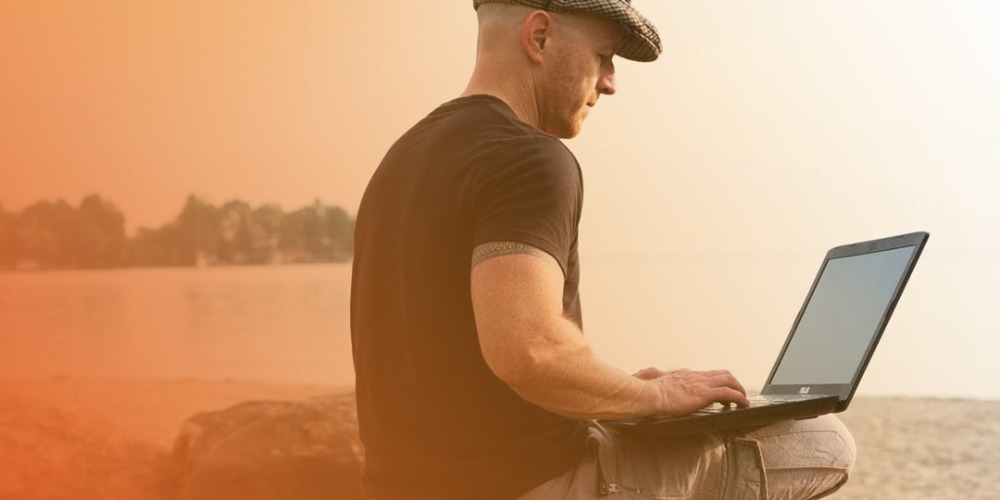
(551, 69)
(582, 70)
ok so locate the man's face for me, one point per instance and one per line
(578, 71)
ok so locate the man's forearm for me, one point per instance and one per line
(541, 355)
(561, 374)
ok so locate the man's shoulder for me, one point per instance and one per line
(484, 125)
(484, 105)
(488, 114)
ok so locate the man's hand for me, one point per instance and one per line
(683, 392)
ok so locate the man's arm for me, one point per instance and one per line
(528, 343)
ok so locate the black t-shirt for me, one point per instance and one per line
(435, 421)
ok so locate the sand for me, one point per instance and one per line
(924, 449)
(909, 448)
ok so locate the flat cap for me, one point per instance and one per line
(642, 41)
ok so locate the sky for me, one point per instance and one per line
(715, 178)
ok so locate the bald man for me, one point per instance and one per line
(474, 380)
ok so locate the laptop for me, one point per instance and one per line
(828, 349)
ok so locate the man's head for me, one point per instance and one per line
(551, 61)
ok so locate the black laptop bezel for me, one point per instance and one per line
(845, 392)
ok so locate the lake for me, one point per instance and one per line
(291, 323)
(266, 323)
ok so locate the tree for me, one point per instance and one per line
(43, 230)
(234, 232)
(265, 233)
(98, 239)
(155, 247)
(56, 235)
(10, 247)
(340, 227)
(198, 231)
(318, 233)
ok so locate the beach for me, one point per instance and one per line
(909, 448)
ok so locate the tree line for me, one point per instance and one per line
(57, 235)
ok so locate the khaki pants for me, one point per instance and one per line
(802, 459)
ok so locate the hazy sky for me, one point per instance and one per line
(767, 133)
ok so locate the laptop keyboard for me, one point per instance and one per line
(755, 401)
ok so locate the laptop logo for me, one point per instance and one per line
(805, 389)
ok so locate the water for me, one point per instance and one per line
(291, 323)
(275, 323)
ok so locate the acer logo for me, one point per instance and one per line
(805, 389)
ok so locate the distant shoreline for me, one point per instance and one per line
(29, 270)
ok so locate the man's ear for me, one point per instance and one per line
(535, 35)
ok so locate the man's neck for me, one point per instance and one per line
(517, 97)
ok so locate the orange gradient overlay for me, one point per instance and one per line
(716, 178)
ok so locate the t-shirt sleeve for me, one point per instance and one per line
(530, 191)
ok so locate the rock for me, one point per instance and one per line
(49, 454)
(271, 450)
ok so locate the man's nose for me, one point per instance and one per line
(606, 85)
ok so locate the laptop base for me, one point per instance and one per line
(735, 418)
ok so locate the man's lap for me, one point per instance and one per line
(795, 459)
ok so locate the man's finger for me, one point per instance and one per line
(729, 380)
(728, 395)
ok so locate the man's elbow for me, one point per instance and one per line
(514, 369)
(527, 367)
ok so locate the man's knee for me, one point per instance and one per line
(805, 459)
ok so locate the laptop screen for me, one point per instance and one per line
(842, 317)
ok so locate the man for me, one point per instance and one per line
(474, 379)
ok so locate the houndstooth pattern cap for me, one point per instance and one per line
(642, 41)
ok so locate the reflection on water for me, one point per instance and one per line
(277, 323)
